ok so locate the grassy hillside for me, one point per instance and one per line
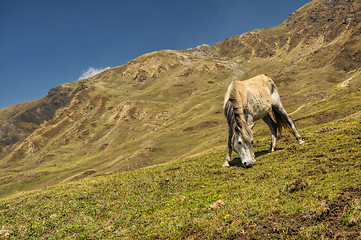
(117, 123)
(310, 191)
(297, 192)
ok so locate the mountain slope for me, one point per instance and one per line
(297, 192)
(167, 105)
(127, 117)
(18, 121)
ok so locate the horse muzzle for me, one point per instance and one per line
(247, 164)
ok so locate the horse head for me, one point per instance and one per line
(243, 145)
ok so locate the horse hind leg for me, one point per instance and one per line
(279, 109)
(273, 127)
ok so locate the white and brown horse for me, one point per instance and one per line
(246, 102)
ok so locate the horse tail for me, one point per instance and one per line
(282, 125)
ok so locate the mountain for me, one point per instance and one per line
(167, 105)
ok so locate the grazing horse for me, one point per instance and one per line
(246, 102)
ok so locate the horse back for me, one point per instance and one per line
(260, 83)
(260, 87)
(254, 94)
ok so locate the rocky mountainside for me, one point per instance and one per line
(167, 105)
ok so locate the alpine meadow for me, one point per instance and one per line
(136, 151)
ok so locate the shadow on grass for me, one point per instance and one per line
(236, 162)
(261, 153)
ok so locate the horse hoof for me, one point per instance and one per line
(301, 142)
(225, 165)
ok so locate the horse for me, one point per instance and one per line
(246, 102)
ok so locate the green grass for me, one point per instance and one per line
(173, 200)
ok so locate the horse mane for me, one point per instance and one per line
(234, 109)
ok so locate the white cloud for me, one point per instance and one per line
(91, 72)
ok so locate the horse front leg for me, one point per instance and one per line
(229, 148)
(273, 127)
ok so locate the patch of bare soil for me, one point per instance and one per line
(297, 185)
(331, 216)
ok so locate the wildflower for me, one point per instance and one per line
(225, 217)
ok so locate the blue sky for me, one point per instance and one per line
(45, 43)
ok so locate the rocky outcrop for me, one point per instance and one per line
(330, 29)
(21, 124)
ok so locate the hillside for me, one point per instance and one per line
(136, 151)
(297, 192)
(167, 105)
